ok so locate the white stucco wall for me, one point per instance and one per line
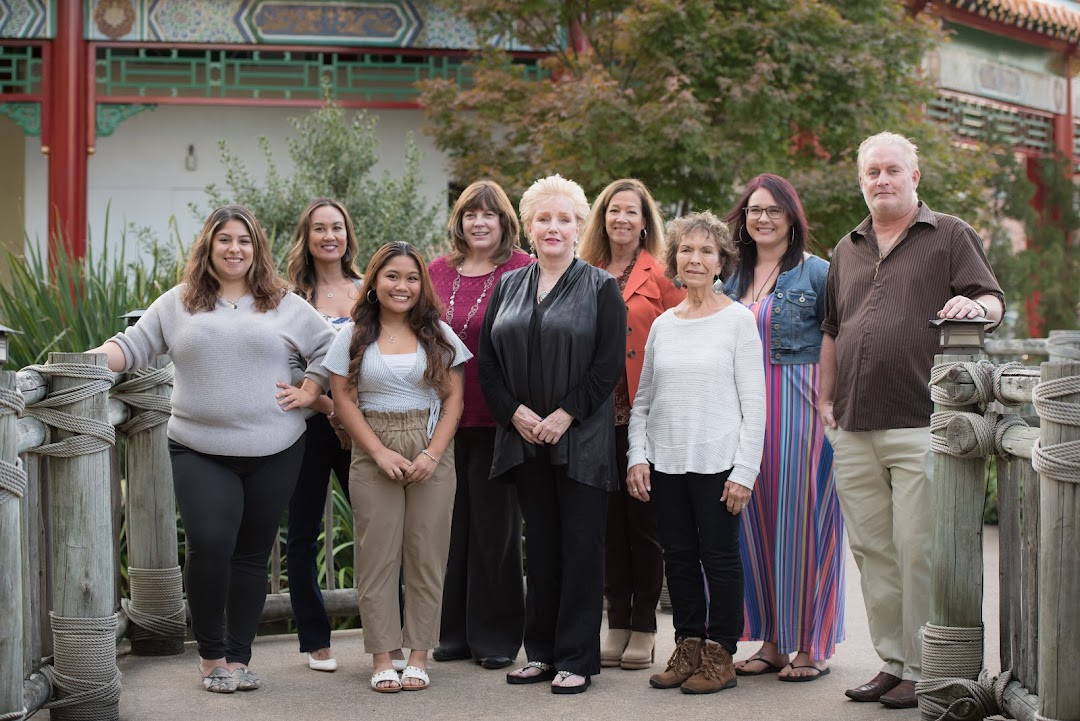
(137, 175)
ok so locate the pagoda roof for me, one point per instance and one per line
(1055, 21)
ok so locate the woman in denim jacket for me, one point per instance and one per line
(792, 539)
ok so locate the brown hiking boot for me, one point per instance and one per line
(681, 666)
(715, 673)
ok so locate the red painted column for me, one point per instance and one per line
(67, 117)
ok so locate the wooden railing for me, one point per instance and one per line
(61, 523)
(1039, 519)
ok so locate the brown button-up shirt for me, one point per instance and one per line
(878, 310)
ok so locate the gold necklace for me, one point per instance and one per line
(766, 283)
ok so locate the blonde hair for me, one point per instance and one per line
(595, 246)
(911, 151)
(553, 186)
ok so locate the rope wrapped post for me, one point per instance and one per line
(952, 640)
(83, 618)
(12, 487)
(156, 606)
(1057, 459)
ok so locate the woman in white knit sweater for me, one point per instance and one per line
(696, 437)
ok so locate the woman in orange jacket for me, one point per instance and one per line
(625, 236)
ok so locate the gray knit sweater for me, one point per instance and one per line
(227, 363)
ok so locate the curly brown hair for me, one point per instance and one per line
(300, 268)
(203, 286)
(424, 320)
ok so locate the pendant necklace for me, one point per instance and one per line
(766, 283)
(488, 282)
(231, 303)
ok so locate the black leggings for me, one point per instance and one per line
(230, 507)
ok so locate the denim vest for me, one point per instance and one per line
(798, 308)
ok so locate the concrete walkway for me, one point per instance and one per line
(168, 689)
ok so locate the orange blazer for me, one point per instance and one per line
(648, 293)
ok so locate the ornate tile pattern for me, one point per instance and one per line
(27, 19)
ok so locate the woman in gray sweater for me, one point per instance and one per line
(235, 436)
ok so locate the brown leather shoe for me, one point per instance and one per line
(681, 666)
(874, 690)
(903, 696)
(716, 672)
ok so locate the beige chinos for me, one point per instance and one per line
(401, 527)
(883, 482)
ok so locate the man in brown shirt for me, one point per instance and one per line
(902, 266)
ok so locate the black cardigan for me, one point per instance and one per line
(583, 348)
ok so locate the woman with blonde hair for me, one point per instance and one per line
(551, 351)
(322, 270)
(625, 236)
(483, 609)
(396, 380)
(235, 447)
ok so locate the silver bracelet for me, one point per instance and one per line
(985, 310)
(425, 452)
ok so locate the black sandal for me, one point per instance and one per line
(547, 673)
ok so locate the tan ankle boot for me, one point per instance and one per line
(681, 666)
(715, 673)
(611, 650)
(640, 651)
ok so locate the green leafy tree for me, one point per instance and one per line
(333, 154)
(695, 97)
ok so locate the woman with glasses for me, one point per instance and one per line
(792, 539)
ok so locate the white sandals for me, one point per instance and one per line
(384, 676)
(417, 673)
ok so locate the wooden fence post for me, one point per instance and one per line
(81, 551)
(1059, 562)
(12, 486)
(151, 519)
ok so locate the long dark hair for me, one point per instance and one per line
(423, 319)
(786, 198)
(301, 267)
(203, 284)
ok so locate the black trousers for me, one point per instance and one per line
(322, 454)
(483, 607)
(633, 561)
(230, 507)
(564, 548)
(698, 533)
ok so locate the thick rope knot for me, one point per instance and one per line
(84, 673)
(134, 393)
(91, 436)
(12, 475)
(964, 435)
(982, 375)
(1065, 346)
(1061, 461)
(156, 606)
(960, 699)
(1002, 423)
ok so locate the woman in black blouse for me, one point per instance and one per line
(551, 351)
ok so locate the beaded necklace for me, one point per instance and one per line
(488, 282)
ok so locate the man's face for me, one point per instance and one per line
(888, 183)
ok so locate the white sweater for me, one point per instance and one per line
(700, 407)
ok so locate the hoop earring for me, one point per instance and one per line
(792, 241)
(373, 301)
(644, 233)
(744, 239)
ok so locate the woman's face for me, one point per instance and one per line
(232, 250)
(624, 220)
(698, 260)
(765, 229)
(397, 284)
(327, 240)
(482, 230)
(554, 228)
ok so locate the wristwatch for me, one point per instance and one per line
(985, 310)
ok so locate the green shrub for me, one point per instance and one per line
(333, 155)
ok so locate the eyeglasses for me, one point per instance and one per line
(753, 212)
